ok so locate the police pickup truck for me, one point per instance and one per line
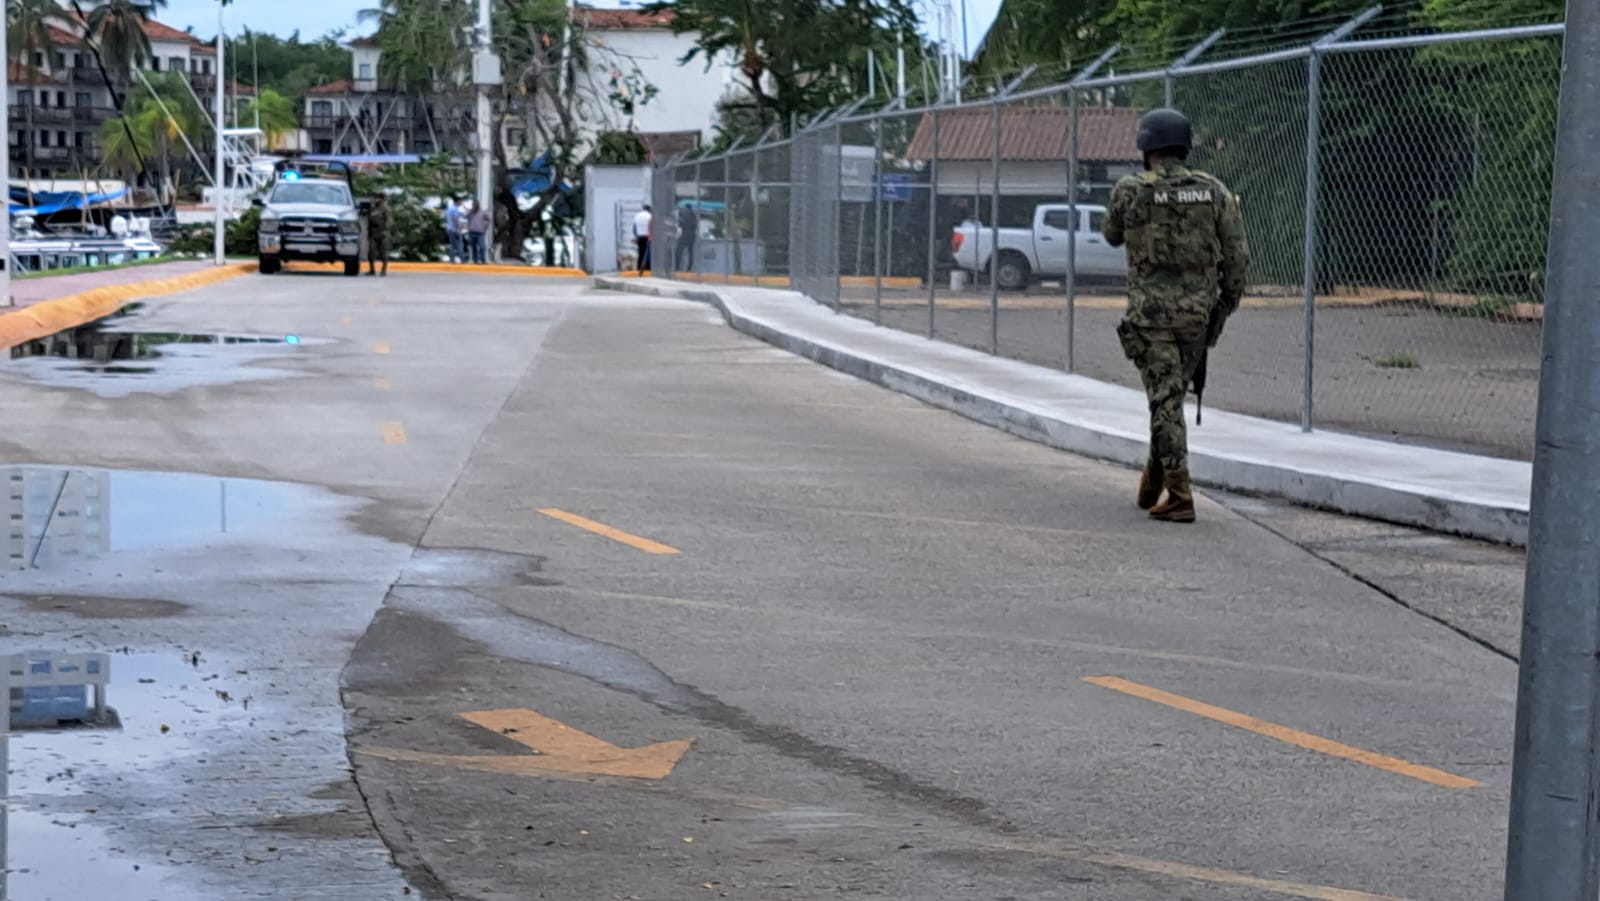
(311, 214)
(1040, 251)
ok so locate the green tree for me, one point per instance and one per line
(146, 130)
(114, 36)
(290, 65)
(424, 42)
(278, 114)
(794, 55)
(28, 37)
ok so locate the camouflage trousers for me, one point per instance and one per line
(1166, 359)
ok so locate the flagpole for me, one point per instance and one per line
(221, 179)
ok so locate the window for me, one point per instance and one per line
(61, 139)
(61, 99)
(58, 60)
(329, 192)
(322, 110)
(38, 59)
(44, 139)
(324, 146)
(77, 140)
(1061, 219)
(366, 72)
(77, 60)
(84, 99)
(1097, 222)
(44, 98)
(155, 63)
(177, 64)
(205, 66)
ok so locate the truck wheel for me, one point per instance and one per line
(1012, 271)
(352, 267)
(269, 265)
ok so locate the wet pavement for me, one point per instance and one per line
(540, 592)
(113, 358)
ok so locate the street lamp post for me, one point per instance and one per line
(485, 74)
(221, 179)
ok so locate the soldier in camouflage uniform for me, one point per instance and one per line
(378, 236)
(1186, 273)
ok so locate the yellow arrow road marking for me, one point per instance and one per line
(600, 528)
(394, 432)
(559, 749)
(1284, 733)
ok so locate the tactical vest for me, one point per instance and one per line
(1178, 234)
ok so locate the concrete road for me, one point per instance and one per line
(616, 603)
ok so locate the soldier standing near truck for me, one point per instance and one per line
(378, 236)
(1187, 259)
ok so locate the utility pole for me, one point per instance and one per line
(1553, 845)
(221, 181)
(5, 301)
(485, 74)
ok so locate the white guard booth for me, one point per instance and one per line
(613, 195)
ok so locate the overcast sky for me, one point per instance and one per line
(317, 17)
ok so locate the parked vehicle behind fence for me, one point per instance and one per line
(1041, 251)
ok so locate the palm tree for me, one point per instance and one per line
(424, 42)
(114, 35)
(164, 122)
(27, 36)
(277, 114)
(126, 144)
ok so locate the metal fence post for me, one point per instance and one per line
(1072, 239)
(877, 221)
(727, 208)
(933, 224)
(755, 213)
(1309, 261)
(838, 218)
(1313, 166)
(1553, 844)
(994, 237)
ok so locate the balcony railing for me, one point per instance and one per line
(42, 115)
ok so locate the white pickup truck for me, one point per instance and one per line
(1040, 251)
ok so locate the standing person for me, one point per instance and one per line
(478, 233)
(641, 238)
(1187, 259)
(455, 229)
(688, 231)
(378, 236)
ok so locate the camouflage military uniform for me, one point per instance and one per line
(378, 238)
(1187, 257)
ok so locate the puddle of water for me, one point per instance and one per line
(53, 517)
(114, 359)
(59, 844)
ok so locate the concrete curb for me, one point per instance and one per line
(454, 269)
(1389, 499)
(50, 316)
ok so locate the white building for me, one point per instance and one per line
(627, 50)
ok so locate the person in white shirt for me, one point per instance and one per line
(641, 237)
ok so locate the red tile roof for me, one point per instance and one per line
(17, 73)
(160, 31)
(1038, 133)
(619, 19)
(370, 40)
(64, 38)
(333, 87)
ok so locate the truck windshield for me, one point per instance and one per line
(329, 193)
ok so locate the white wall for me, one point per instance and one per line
(605, 189)
(687, 94)
(966, 178)
(365, 56)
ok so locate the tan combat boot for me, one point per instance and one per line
(1150, 485)
(1179, 506)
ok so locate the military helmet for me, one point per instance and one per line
(1163, 128)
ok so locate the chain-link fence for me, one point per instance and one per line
(1395, 189)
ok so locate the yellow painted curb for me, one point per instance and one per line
(494, 269)
(50, 316)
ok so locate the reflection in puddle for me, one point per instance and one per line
(62, 842)
(114, 359)
(52, 516)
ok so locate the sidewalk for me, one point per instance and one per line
(28, 291)
(1480, 497)
(44, 306)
